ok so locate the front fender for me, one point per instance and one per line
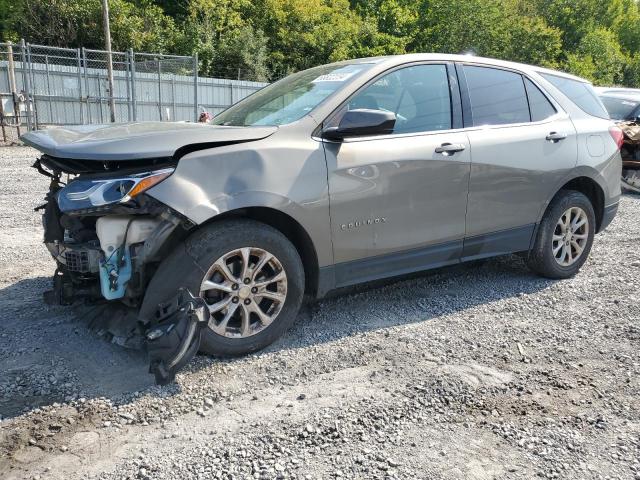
(284, 172)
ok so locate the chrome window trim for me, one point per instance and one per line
(553, 118)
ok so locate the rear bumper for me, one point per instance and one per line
(608, 216)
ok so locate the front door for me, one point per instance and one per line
(398, 201)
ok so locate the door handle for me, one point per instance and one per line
(555, 137)
(450, 148)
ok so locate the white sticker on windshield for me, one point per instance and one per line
(333, 77)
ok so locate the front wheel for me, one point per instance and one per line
(564, 236)
(250, 276)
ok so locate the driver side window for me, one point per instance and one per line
(418, 95)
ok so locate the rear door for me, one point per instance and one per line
(521, 144)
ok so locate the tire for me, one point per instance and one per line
(194, 259)
(543, 258)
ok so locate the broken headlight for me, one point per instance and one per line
(85, 193)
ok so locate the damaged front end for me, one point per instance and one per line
(107, 238)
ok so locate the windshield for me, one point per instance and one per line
(620, 108)
(290, 98)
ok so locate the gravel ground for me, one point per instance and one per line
(480, 371)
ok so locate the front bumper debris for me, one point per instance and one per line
(175, 339)
(106, 256)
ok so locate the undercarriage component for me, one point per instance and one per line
(68, 288)
(175, 339)
(81, 260)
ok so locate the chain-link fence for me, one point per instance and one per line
(42, 86)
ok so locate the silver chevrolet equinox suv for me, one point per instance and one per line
(336, 175)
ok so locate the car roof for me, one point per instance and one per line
(416, 57)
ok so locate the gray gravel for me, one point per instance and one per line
(479, 371)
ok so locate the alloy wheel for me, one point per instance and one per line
(570, 236)
(245, 290)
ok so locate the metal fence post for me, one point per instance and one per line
(99, 97)
(195, 87)
(26, 82)
(173, 98)
(46, 62)
(159, 88)
(32, 89)
(127, 67)
(79, 73)
(132, 71)
(86, 83)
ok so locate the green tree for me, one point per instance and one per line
(597, 39)
(78, 23)
(395, 18)
(632, 71)
(245, 51)
(598, 58)
(177, 9)
(627, 26)
(212, 27)
(62, 23)
(456, 26)
(533, 41)
(495, 28)
(142, 26)
(304, 33)
(575, 18)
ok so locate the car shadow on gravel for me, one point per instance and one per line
(48, 354)
(419, 297)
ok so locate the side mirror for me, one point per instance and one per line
(360, 123)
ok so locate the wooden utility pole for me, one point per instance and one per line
(107, 46)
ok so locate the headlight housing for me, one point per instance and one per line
(85, 193)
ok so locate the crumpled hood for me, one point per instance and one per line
(135, 141)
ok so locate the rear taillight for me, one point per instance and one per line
(617, 135)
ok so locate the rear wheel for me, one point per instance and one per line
(564, 236)
(250, 276)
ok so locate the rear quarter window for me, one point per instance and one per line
(580, 93)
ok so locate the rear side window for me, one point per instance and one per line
(497, 97)
(540, 105)
(580, 93)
